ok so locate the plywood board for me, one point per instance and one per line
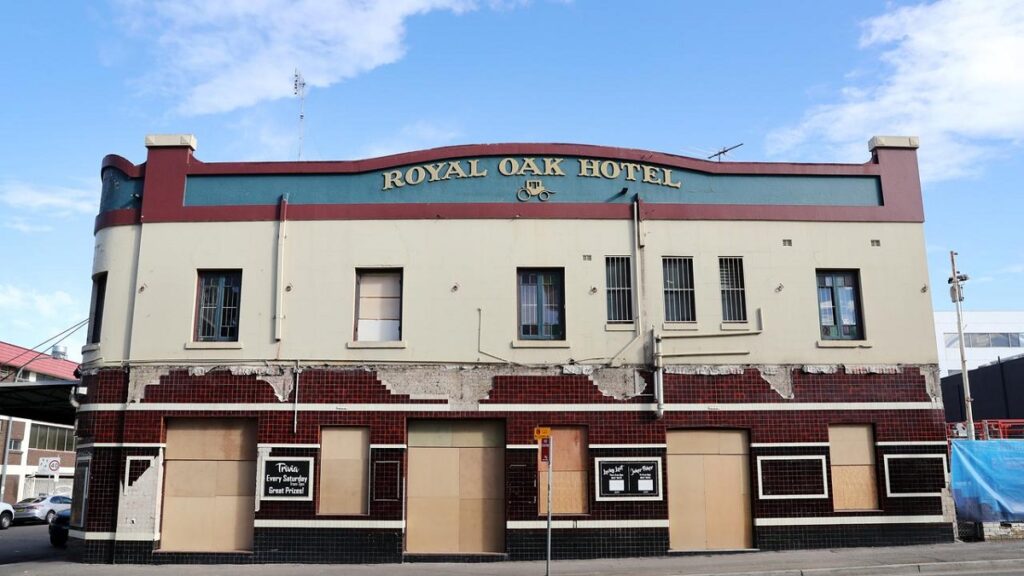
(692, 442)
(687, 502)
(236, 478)
(343, 486)
(433, 473)
(433, 525)
(232, 517)
(186, 524)
(482, 473)
(482, 525)
(380, 309)
(570, 448)
(854, 488)
(190, 478)
(851, 445)
(732, 442)
(211, 439)
(726, 483)
(380, 284)
(478, 434)
(349, 443)
(569, 495)
(435, 433)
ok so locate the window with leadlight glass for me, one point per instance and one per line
(218, 306)
(541, 303)
(839, 305)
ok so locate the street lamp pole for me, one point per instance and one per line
(956, 292)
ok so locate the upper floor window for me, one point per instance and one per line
(677, 276)
(541, 303)
(734, 297)
(218, 305)
(43, 437)
(839, 305)
(619, 284)
(99, 293)
(986, 340)
(378, 305)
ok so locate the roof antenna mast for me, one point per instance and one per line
(718, 155)
(300, 91)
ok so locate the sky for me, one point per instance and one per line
(795, 81)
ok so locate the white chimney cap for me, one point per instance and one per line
(170, 141)
(893, 142)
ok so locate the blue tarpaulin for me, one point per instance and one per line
(988, 480)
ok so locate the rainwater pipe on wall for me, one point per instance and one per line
(638, 245)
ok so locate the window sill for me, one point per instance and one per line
(691, 326)
(620, 327)
(213, 345)
(844, 344)
(736, 326)
(540, 344)
(386, 345)
(90, 348)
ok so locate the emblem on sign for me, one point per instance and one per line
(533, 188)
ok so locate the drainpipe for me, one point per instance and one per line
(279, 273)
(659, 377)
(637, 302)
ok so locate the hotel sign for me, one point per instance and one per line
(531, 168)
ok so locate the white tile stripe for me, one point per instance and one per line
(628, 446)
(888, 484)
(583, 524)
(736, 407)
(390, 524)
(789, 444)
(121, 445)
(81, 535)
(848, 520)
(317, 446)
(914, 443)
(388, 446)
(520, 446)
(760, 478)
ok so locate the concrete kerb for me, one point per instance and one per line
(886, 569)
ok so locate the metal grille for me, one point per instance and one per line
(734, 298)
(619, 282)
(678, 285)
(220, 295)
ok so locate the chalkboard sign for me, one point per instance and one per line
(628, 478)
(287, 478)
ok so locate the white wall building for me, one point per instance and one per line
(988, 336)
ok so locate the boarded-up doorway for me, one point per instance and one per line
(456, 487)
(209, 485)
(709, 490)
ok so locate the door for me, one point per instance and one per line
(209, 485)
(709, 490)
(456, 487)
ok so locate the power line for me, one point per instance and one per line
(67, 332)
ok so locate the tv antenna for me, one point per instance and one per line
(718, 155)
(300, 91)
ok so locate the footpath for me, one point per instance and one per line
(957, 558)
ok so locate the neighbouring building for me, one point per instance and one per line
(348, 361)
(24, 442)
(989, 335)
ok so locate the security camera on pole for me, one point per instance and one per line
(956, 293)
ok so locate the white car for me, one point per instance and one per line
(6, 515)
(40, 508)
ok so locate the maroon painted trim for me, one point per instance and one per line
(477, 150)
(648, 211)
(122, 217)
(124, 165)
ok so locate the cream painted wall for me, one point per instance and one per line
(480, 257)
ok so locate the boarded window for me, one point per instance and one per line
(379, 306)
(569, 493)
(852, 452)
(344, 470)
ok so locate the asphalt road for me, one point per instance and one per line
(27, 543)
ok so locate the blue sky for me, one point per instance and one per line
(792, 80)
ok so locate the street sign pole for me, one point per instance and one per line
(551, 462)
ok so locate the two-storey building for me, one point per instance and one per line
(347, 361)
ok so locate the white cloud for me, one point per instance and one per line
(417, 136)
(1012, 269)
(951, 74)
(53, 200)
(24, 226)
(27, 303)
(230, 54)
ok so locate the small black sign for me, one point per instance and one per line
(287, 479)
(628, 478)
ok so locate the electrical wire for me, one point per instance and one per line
(63, 334)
